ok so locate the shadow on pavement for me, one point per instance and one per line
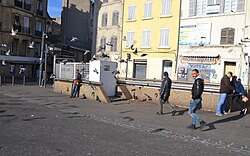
(229, 119)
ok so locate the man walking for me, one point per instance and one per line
(76, 84)
(165, 93)
(225, 89)
(195, 103)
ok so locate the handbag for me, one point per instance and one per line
(244, 99)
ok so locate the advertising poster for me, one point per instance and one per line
(204, 71)
(182, 72)
(195, 34)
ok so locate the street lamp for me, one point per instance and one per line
(41, 59)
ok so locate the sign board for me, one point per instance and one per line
(195, 34)
(213, 9)
(67, 71)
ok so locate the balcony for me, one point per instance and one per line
(27, 6)
(26, 30)
(39, 12)
(19, 3)
(17, 27)
(38, 33)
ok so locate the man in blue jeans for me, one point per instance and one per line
(195, 103)
(225, 90)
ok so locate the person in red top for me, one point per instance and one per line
(76, 84)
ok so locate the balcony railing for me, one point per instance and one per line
(38, 33)
(19, 3)
(39, 12)
(27, 6)
(17, 27)
(26, 30)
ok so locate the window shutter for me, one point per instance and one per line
(240, 5)
(227, 36)
(169, 7)
(150, 9)
(103, 16)
(192, 8)
(130, 38)
(146, 38)
(164, 37)
(164, 8)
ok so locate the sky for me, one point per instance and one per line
(54, 8)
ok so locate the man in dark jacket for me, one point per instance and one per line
(225, 89)
(195, 103)
(165, 93)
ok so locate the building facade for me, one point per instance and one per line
(109, 28)
(30, 19)
(214, 37)
(150, 38)
(77, 23)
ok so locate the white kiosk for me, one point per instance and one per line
(104, 72)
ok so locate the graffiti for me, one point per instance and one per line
(210, 73)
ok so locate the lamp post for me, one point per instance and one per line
(41, 59)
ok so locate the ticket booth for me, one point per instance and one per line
(104, 72)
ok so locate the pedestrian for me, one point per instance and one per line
(195, 103)
(239, 95)
(76, 84)
(165, 93)
(226, 89)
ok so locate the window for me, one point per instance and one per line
(164, 37)
(105, 1)
(166, 7)
(227, 36)
(115, 18)
(39, 8)
(26, 25)
(27, 5)
(221, 2)
(167, 67)
(37, 51)
(19, 3)
(240, 5)
(104, 19)
(38, 29)
(17, 24)
(140, 69)
(14, 46)
(148, 10)
(130, 38)
(103, 43)
(146, 38)
(192, 8)
(114, 44)
(131, 12)
(201, 7)
(24, 46)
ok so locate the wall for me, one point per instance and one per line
(109, 31)
(154, 52)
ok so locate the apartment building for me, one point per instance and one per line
(150, 38)
(30, 19)
(109, 28)
(214, 37)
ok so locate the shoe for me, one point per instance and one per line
(218, 114)
(225, 113)
(203, 124)
(159, 113)
(191, 127)
(245, 111)
(71, 97)
(173, 112)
